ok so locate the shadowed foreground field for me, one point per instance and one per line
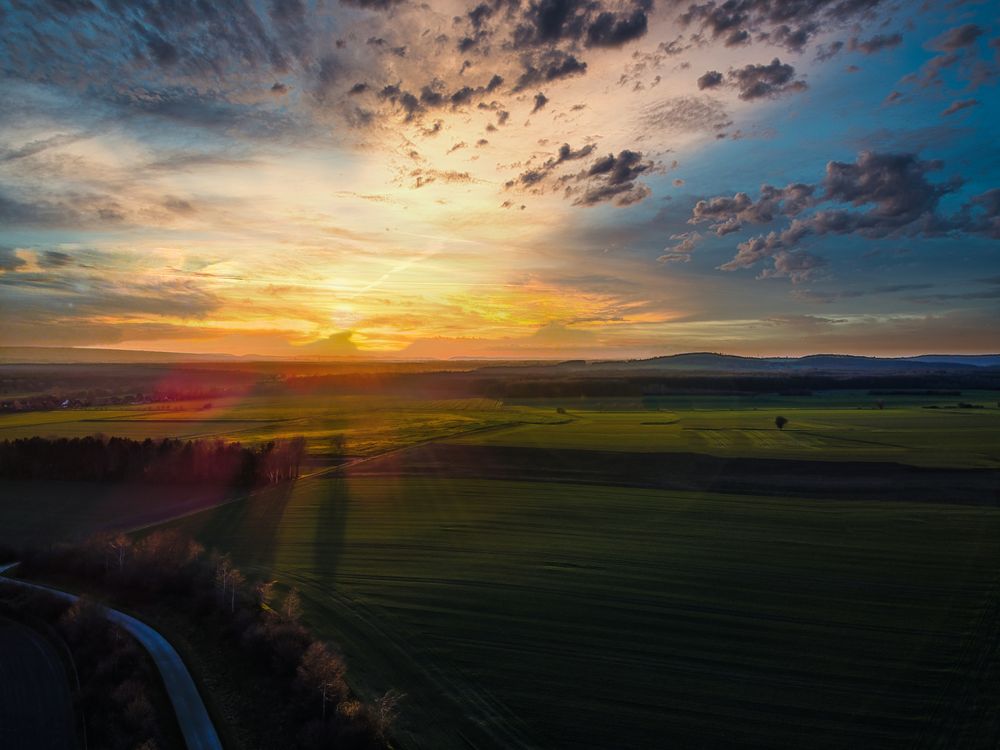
(564, 616)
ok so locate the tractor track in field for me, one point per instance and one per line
(493, 725)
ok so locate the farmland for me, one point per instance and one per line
(818, 429)
(535, 614)
(609, 572)
(334, 426)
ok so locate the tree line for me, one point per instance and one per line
(298, 687)
(167, 461)
(119, 696)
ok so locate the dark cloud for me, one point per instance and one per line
(612, 178)
(373, 4)
(35, 147)
(9, 261)
(538, 174)
(62, 297)
(828, 51)
(982, 214)
(613, 30)
(54, 259)
(958, 106)
(956, 38)
(755, 81)
(540, 101)
(545, 67)
(728, 215)
(877, 43)
(710, 80)
(57, 211)
(765, 81)
(544, 22)
(878, 195)
(790, 24)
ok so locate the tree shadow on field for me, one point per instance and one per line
(250, 527)
(330, 529)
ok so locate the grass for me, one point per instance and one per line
(518, 614)
(542, 615)
(943, 437)
(335, 425)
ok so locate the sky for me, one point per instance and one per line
(510, 178)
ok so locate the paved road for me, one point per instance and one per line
(36, 708)
(196, 726)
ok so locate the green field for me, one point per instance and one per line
(561, 615)
(944, 437)
(542, 615)
(334, 426)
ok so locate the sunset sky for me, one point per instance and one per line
(546, 178)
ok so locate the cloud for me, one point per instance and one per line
(49, 297)
(545, 22)
(539, 173)
(612, 178)
(892, 191)
(66, 210)
(791, 24)
(876, 43)
(680, 252)
(755, 81)
(798, 266)
(9, 260)
(765, 81)
(686, 114)
(956, 38)
(548, 66)
(423, 177)
(40, 145)
(710, 80)
(958, 106)
(540, 101)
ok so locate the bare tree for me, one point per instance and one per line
(119, 547)
(323, 671)
(236, 579)
(291, 608)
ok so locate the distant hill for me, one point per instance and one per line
(979, 360)
(53, 355)
(688, 363)
(708, 363)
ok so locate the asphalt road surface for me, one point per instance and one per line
(36, 708)
(196, 725)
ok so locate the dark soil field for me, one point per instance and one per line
(845, 480)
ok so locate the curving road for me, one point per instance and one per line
(36, 708)
(196, 725)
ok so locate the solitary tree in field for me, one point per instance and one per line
(780, 422)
